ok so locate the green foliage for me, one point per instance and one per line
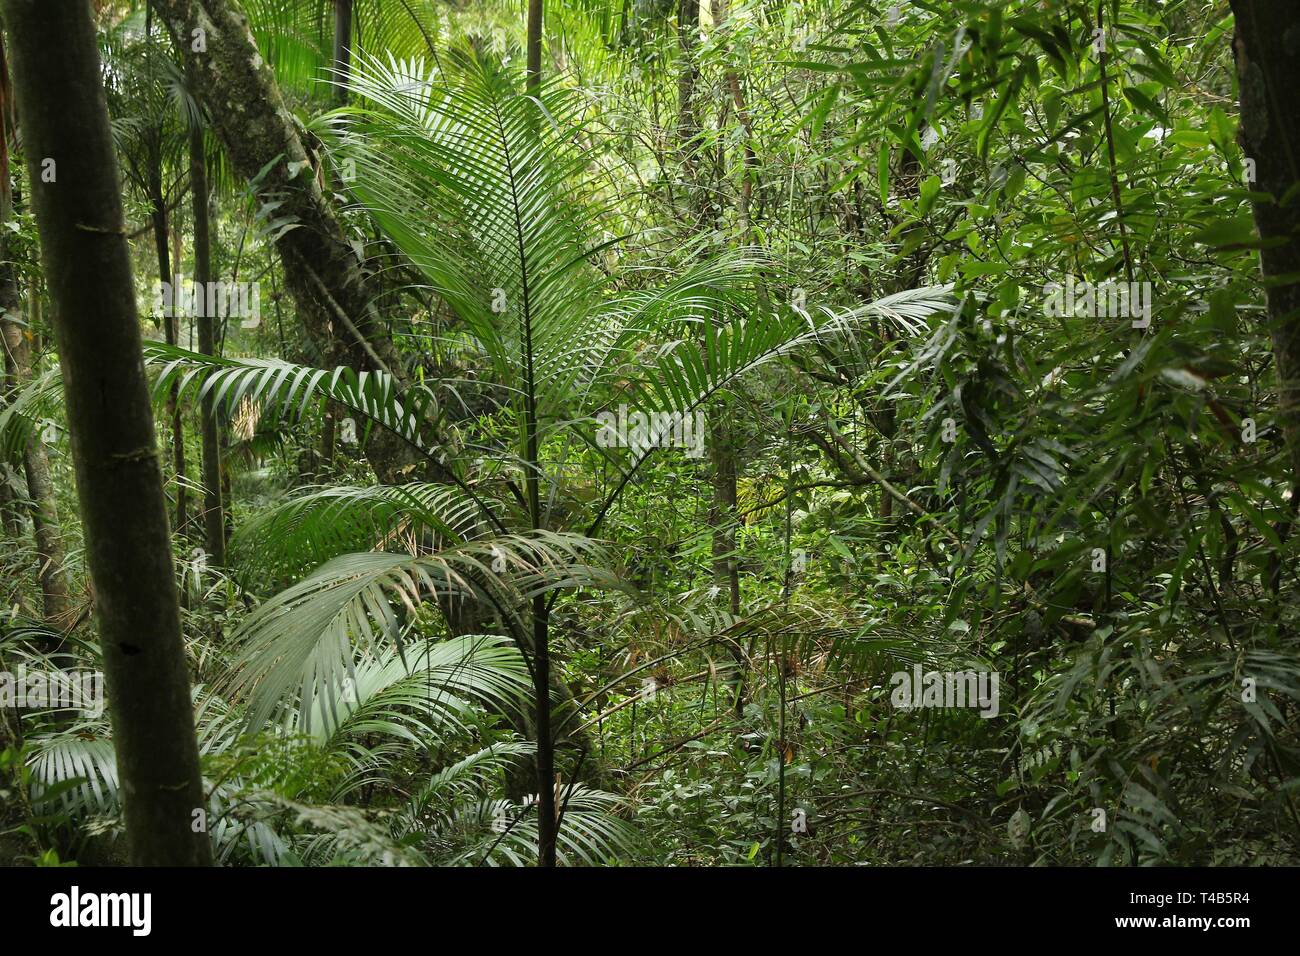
(846, 256)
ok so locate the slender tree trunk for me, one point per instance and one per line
(534, 74)
(342, 48)
(114, 447)
(749, 163)
(51, 563)
(749, 168)
(11, 497)
(908, 186)
(722, 521)
(228, 516)
(688, 73)
(331, 412)
(171, 330)
(9, 514)
(547, 817)
(547, 812)
(1267, 72)
(328, 435)
(722, 454)
(9, 521)
(214, 525)
(547, 821)
(8, 501)
(50, 558)
(726, 572)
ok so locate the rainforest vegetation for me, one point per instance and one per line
(649, 432)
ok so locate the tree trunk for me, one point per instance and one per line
(171, 329)
(541, 644)
(749, 163)
(50, 558)
(265, 147)
(114, 447)
(722, 452)
(547, 812)
(9, 514)
(214, 526)
(9, 521)
(11, 497)
(329, 419)
(51, 567)
(342, 48)
(722, 522)
(249, 116)
(1265, 46)
(534, 75)
(688, 72)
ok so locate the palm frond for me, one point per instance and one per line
(475, 183)
(29, 411)
(496, 832)
(302, 641)
(314, 526)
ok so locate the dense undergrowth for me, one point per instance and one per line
(827, 237)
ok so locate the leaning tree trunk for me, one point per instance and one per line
(250, 117)
(1265, 44)
(264, 144)
(84, 252)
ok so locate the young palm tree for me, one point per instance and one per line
(486, 189)
(268, 779)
